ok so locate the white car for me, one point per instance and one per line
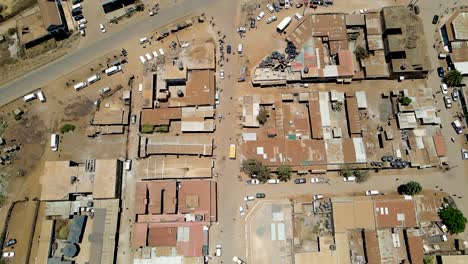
(349, 179)
(148, 56)
(270, 8)
(218, 251)
(448, 102)
(444, 88)
(161, 51)
(103, 29)
(249, 198)
(317, 197)
(253, 181)
(142, 59)
(271, 19)
(318, 180)
(241, 210)
(8, 254)
(237, 260)
(81, 26)
(372, 192)
(260, 16)
(455, 95)
(273, 181)
(151, 13)
(464, 153)
(221, 74)
(82, 32)
(82, 21)
(298, 16)
(287, 4)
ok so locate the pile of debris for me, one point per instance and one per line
(276, 61)
(291, 51)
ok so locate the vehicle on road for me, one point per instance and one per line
(455, 95)
(273, 181)
(448, 102)
(249, 198)
(298, 16)
(237, 260)
(82, 32)
(253, 181)
(143, 40)
(300, 181)
(76, 7)
(150, 11)
(457, 125)
(240, 48)
(228, 49)
(74, 2)
(349, 179)
(241, 210)
(319, 180)
(78, 17)
(10, 243)
(221, 74)
(29, 97)
(299, 5)
(112, 70)
(287, 4)
(8, 254)
(161, 51)
(283, 24)
(54, 141)
(82, 21)
(104, 91)
(155, 54)
(372, 192)
(103, 29)
(81, 26)
(232, 151)
(128, 165)
(271, 19)
(80, 86)
(94, 79)
(444, 88)
(464, 153)
(218, 251)
(270, 8)
(260, 195)
(252, 23)
(435, 19)
(142, 59)
(276, 7)
(134, 119)
(317, 197)
(260, 16)
(440, 72)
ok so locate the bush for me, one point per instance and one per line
(256, 169)
(361, 53)
(429, 260)
(410, 188)
(11, 31)
(262, 116)
(67, 128)
(361, 175)
(284, 173)
(162, 129)
(453, 78)
(453, 219)
(147, 129)
(405, 100)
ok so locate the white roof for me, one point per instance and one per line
(462, 67)
(249, 136)
(361, 99)
(324, 109)
(359, 150)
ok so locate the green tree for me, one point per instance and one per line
(361, 53)
(262, 116)
(67, 128)
(453, 78)
(453, 219)
(11, 31)
(256, 169)
(284, 173)
(429, 260)
(410, 188)
(361, 175)
(147, 129)
(405, 100)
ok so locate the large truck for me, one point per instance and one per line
(113, 69)
(54, 140)
(232, 151)
(283, 24)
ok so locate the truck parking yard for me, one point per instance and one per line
(242, 131)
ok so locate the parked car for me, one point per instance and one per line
(252, 23)
(349, 179)
(271, 19)
(448, 102)
(299, 5)
(8, 254)
(228, 49)
(455, 95)
(218, 251)
(372, 192)
(81, 26)
(74, 2)
(464, 153)
(262, 195)
(273, 181)
(241, 210)
(253, 181)
(287, 4)
(300, 181)
(444, 88)
(319, 180)
(134, 119)
(76, 12)
(10, 243)
(317, 197)
(78, 17)
(249, 198)
(82, 32)
(270, 8)
(298, 16)
(276, 6)
(221, 74)
(435, 19)
(260, 16)
(103, 29)
(457, 125)
(236, 260)
(440, 71)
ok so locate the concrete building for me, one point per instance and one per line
(455, 38)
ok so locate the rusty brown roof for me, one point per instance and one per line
(162, 237)
(199, 90)
(372, 247)
(395, 212)
(315, 117)
(160, 116)
(198, 196)
(415, 249)
(439, 144)
(148, 89)
(140, 234)
(162, 197)
(50, 13)
(354, 122)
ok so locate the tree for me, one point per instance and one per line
(11, 31)
(361, 53)
(361, 175)
(147, 129)
(284, 173)
(67, 128)
(429, 260)
(256, 169)
(410, 188)
(405, 100)
(453, 78)
(453, 219)
(262, 116)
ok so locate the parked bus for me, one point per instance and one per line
(94, 79)
(80, 86)
(232, 151)
(41, 97)
(283, 24)
(29, 97)
(54, 140)
(113, 69)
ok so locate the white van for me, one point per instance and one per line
(349, 179)
(457, 125)
(218, 251)
(148, 56)
(442, 55)
(140, 87)
(372, 192)
(94, 79)
(142, 59)
(143, 40)
(80, 86)
(161, 51)
(29, 97)
(298, 16)
(113, 70)
(155, 54)
(54, 140)
(128, 165)
(273, 181)
(240, 48)
(76, 7)
(41, 97)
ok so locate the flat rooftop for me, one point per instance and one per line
(30, 28)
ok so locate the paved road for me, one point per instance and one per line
(86, 54)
